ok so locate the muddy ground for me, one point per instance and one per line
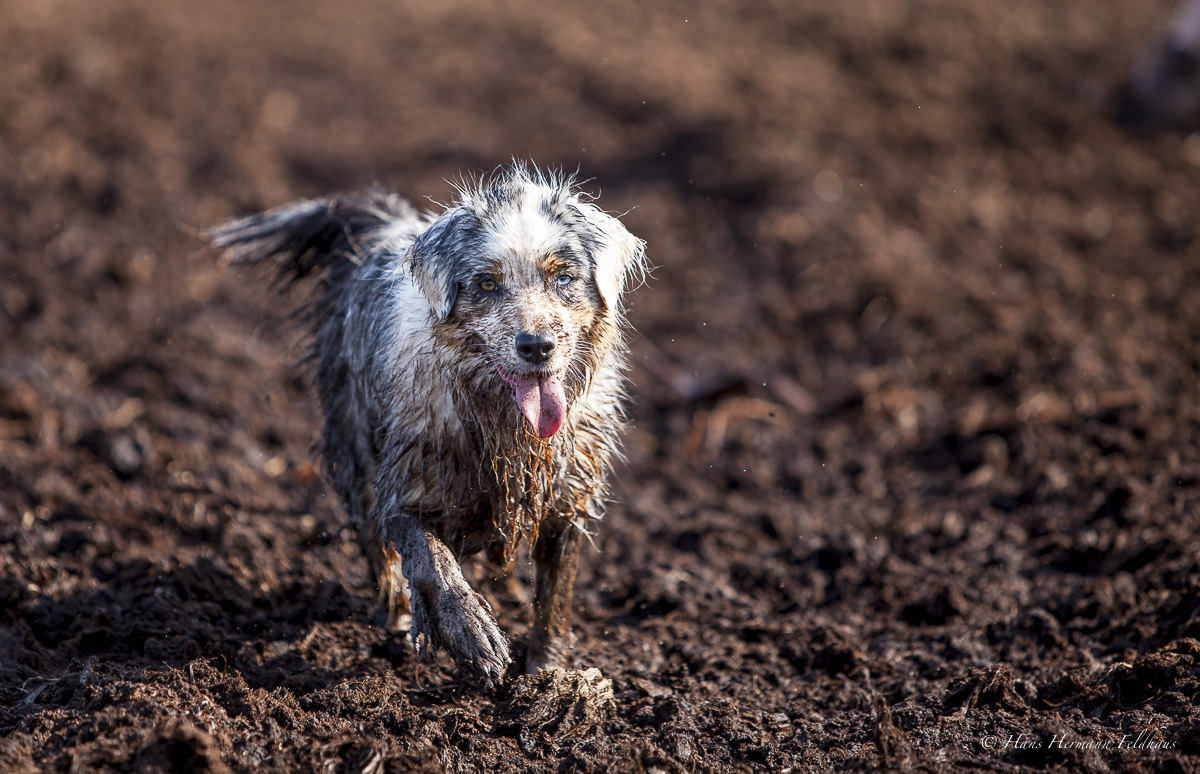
(915, 475)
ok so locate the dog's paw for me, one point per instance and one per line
(453, 617)
(546, 651)
(546, 655)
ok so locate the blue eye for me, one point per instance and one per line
(564, 280)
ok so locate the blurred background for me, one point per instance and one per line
(915, 414)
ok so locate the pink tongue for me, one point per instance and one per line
(542, 402)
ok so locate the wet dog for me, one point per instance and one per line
(469, 365)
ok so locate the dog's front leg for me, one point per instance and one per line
(556, 554)
(445, 611)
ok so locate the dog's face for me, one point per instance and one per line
(528, 278)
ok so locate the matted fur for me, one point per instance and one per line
(416, 364)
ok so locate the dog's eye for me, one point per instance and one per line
(564, 280)
(487, 285)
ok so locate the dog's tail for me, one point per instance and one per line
(310, 235)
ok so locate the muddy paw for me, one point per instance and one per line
(454, 619)
(547, 654)
(536, 662)
(558, 701)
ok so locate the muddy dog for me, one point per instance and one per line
(469, 365)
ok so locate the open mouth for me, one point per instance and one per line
(540, 398)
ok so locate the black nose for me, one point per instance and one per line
(534, 348)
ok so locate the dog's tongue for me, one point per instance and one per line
(542, 402)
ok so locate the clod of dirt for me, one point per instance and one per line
(827, 650)
(557, 702)
(1171, 667)
(182, 748)
(352, 754)
(890, 739)
(125, 452)
(935, 608)
(993, 687)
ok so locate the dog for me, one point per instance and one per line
(470, 369)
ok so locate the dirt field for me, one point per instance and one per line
(915, 475)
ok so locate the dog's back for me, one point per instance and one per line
(338, 239)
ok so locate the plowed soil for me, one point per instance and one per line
(915, 475)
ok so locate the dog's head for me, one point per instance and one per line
(528, 275)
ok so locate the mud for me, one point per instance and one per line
(915, 479)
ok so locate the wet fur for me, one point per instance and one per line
(422, 438)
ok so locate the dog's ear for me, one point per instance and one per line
(617, 254)
(435, 257)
